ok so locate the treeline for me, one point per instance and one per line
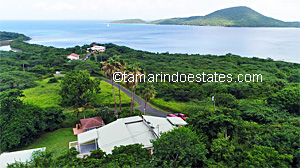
(21, 123)
(12, 36)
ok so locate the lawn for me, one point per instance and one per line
(57, 140)
(169, 106)
(106, 96)
(47, 95)
(43, 95)
(182, 107)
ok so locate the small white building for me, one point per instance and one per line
(19, 156)
(97, 48)
(73, 56)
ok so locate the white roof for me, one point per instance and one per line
(124, 131)
(87, 136)
(177, 121)
(98, 48)
(159, 124)
(20, 156)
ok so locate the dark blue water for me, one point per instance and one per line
(276, 43)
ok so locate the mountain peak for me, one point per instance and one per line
(239, 16)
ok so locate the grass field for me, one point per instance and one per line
(57, 140)
(182, 107)
(43, 95)
(47, 95)
(169, 106)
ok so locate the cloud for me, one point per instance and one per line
(286, 10)
(58, 6)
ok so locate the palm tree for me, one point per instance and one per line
(129, 84)
(95, 55)
(136, 71)
(120, 68)
(109, 67)
(147, 94)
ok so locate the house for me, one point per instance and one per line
(88, 124)
(123, 131)
(73, 56)
(19, 156)
(96, 48)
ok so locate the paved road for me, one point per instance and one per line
(149, 109)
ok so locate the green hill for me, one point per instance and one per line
(130, 21)
(233, 17)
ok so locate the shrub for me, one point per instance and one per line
(107, 114)
(53, 80)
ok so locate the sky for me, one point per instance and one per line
(286, 10)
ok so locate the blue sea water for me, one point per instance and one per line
(276, 43)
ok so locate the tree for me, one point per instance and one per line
(286, 99)
(109, 68)
(90, 66)
(179, 148)
(222, 151)
(13, 78)
(262, 156)
(133, 77)
(77, 89)
(130, 156)
(19, 123)
(106, 114)
(147, 94)
(120, 66)
(210, 123)
(226, 100)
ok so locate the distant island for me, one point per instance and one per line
(230, 17)
(130, 21)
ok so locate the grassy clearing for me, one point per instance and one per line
(43, 95)
(47, 95)
(57, 140)
(169, 106)
(106, 96)
(182, 107)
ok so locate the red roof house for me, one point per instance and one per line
(73, 56)
(88, 124)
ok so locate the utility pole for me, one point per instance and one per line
(213, 99)
(158, 130)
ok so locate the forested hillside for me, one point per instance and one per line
(254, 123)
(12, 36)
(232, 17)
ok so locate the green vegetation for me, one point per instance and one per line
(253, 123)
(130, 21)
(44, 95)
(12, 36)
(47, 95)
(55, 141)
(78, 89)
(21, 123)
(106, 96)
(230, 17)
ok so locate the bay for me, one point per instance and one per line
(276, 43)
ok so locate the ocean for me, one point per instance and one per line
(276, 43)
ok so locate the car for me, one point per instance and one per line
(181, 115)
(172, 115)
